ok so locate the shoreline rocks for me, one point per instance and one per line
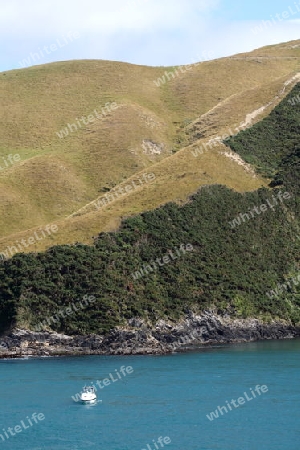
(139, 338)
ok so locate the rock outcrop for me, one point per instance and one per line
(141, 338)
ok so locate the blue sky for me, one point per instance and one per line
(151, 32)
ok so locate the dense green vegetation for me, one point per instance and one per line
(268, 143)
(230, 268)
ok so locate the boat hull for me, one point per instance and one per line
(88, 399)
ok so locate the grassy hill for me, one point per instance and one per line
(154, 130)
(234, 252)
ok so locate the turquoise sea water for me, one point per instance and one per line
(167, 396)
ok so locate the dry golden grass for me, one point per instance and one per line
(56, 178)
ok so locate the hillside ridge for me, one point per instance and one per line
(154, 130)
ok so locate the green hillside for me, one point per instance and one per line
(243, 255)
(271, 142)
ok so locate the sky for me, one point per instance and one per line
(149, 32)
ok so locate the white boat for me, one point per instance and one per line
(88, 394)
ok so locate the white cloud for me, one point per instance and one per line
(153, 32)
(163, 26)
(56, 16)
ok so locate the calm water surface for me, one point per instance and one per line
(167, 396)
